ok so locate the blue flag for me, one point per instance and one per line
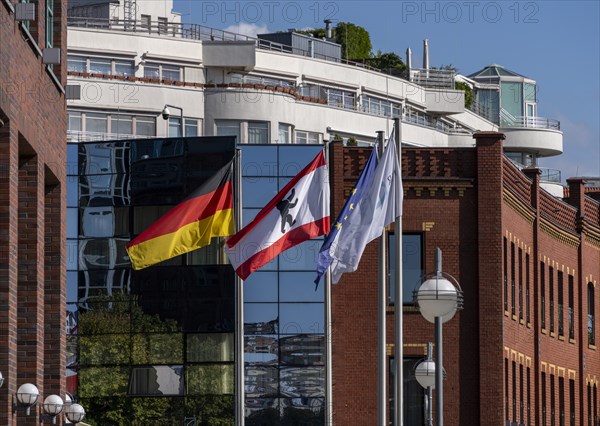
(378, 205)
(364, 180)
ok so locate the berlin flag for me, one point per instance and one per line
(299, 212)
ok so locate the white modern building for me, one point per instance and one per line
(131, 58)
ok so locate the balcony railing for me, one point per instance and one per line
(81, 136)
(433, 78)
(509, 120)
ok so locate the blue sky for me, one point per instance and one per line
(557, 43)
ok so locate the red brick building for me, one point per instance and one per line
(32, 199)
(525, 348)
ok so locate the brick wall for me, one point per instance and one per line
(32, 164)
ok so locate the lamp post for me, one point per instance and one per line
(53, 406)
(27, 397)
(166, 114)
(425, 375)
(439, 297)
(1, 379)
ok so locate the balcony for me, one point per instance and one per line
(533, 134)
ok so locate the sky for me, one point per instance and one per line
(556, 43)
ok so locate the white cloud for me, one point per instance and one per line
(249, 29)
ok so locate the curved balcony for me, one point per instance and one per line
(530, 122)
(536, 134)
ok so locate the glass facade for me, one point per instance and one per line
(153, 346)
(284, 352)
(159, 343)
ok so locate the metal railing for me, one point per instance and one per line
(550, 175)
(509, 120)
(83, 136)
(433, 78)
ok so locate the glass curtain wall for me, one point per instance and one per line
(284, 315)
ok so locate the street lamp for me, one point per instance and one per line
(439, 297)
(27, 396)
(74, 413)
(1, 379)
(53, 406)
(166, 114)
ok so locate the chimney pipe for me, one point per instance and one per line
(408, 62)
(328, 28)
(426, 54)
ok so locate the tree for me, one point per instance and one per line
(355, 41)
(459, 85)
(388, 62)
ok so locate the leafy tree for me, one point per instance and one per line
(388, 62)
(355, 41)
(459, 85)
(315, 32)
(114, 334)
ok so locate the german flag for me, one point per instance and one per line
(205, 213)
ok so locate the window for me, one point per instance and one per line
(551, 289)
(521, 400)
(412, 264)
(520, 284)
(174, 127)
(544, 398)
(528, 396)
(561, 401)
(340, 98)
(258, 132)
(527, 297)
(505, 249)
(100, 66)
(49, 23)
(514, 391)
(96, 65)
(191, 127)
(304, 137)
(506, 395)
(284, 133)
(571, 402)
(162, 71)
(589, 404)
(377, 106)
(123, 67)
(543, 293)
(96, 122)
(512, 278)
(414, 394)
(571, 309)
(591, 316)
(552, 402)
(228, 128)
(109, 123)
(561, 326)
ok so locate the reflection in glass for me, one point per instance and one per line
(104, 221)
(302, 381)
(72, 222)
(302, 257)
(259, 161)
(72, 254)
(310, 410)
(299, 287)
(92, 381)
(210, 347)
(292, 159)
(261, 287)
(157, 348)
(298, 318)
(412, 264)
(260, 318)
(104, 349)
(261, 349)
(302, 349)
(258, 191)
(261, 381)
(157, 380)
(210, 379)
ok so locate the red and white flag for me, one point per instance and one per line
(299, 212)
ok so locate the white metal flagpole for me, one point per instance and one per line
(398, 302)
(381, 312)
(328, 337)
(239, 302)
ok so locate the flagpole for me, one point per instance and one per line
(381, 329)
(239, 302)
(328, 335)
(398, 302)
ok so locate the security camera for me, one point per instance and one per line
(166, 113)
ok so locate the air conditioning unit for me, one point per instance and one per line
(25, 12)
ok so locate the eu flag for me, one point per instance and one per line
(365, 179)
